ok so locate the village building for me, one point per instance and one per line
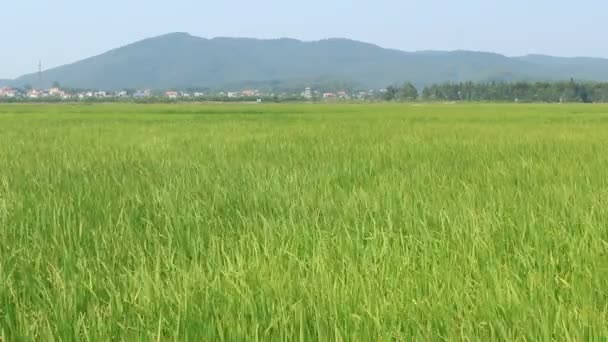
(307, 94)
(34, 94)
(55, 91)
(8, 92)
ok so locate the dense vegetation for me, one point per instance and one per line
(303, 222)
(180, 60)
(585, 92)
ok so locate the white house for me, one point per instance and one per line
(34, 94)
(8, 92)
(307, 94)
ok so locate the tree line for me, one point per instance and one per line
(550, 92)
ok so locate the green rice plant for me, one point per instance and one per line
(303, 222)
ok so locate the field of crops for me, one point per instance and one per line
(303, 222)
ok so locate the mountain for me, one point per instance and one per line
(179, 60)
(4, 82)
(578, 67)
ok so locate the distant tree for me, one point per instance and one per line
(391, 93)
(570, 91)
(409, 92)
(56, 84)
(427, 94)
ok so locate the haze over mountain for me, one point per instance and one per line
(179, 60)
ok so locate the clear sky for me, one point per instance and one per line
(62, 31)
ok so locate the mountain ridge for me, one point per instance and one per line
(181, 60)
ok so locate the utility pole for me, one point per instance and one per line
(40, 73)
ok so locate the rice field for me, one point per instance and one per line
(339, 222)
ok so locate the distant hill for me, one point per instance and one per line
(4, 82)
(584, 68)
(179, 60)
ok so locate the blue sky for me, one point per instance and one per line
(62, 31)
